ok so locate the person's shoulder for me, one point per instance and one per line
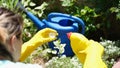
(9, 64)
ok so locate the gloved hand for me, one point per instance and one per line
(94, 54)
(89, 52)
(41, 37)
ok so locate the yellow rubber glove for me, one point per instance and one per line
(41, 37)
(94, 54)
(89, 52)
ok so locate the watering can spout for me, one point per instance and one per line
(37, 21)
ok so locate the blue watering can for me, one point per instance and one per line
(63, 23)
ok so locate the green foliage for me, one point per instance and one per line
(10, 4)
(88, 15)
(116, 10)
(102, 5)
(37, 10)
(63, 62)
(29, 28)
(112, 52)
(59, 46)
(67, 2)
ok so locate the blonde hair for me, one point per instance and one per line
(10, 24)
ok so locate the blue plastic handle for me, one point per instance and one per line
(36, 20)
(78, 20)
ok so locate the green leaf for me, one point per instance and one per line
(118, 15)
(32, 4)
(67, 2)
(114, 9)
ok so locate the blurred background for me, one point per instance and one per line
(101, 18)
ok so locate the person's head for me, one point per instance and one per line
(10, 35)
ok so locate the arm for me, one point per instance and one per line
(89, 52)
(94, 56)
(38, 39)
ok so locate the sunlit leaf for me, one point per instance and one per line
(32, 4)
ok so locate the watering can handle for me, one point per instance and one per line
(80, 21)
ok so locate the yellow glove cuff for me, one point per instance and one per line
(27, 49)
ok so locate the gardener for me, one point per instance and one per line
(11, 25)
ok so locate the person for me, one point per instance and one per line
(11, 48)
(117, 64)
